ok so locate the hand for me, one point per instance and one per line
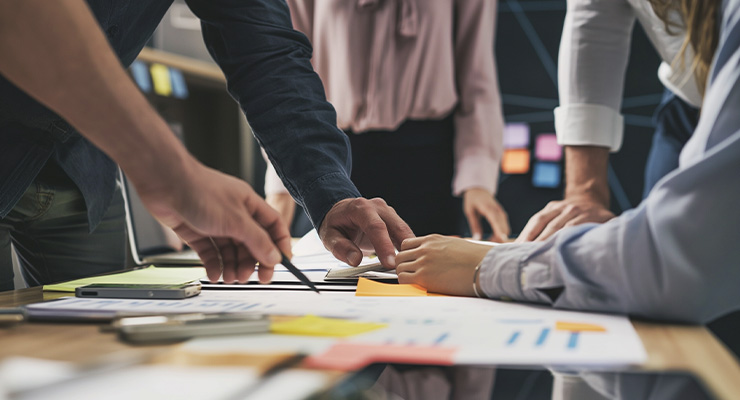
(440, 264)
(562, 214)
(284, 204)
(479, 203)
(222, 219)
(358, 224)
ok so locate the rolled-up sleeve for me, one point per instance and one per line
(479, 122)
(594, 50)
(675, 257)
(268, 70)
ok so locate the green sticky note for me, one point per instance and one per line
(311, 325)
(150, 275)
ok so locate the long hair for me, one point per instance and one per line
(700, 19)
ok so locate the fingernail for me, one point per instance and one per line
(477, 236)
(354, 257)
(390, 261)
(275, 257)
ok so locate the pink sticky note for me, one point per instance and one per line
(345, 356)
(516, 135)
(547, 148)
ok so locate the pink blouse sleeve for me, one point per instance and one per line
(479, 122)
(301, 12)
(273, 183)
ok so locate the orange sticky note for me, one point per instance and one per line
(347, 356)
(578, 327)
(515, 161)
(368, 287)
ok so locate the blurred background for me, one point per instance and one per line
(526, 51)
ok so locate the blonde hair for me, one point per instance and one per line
(700, 19)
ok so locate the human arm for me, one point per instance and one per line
(478, 118)
(586, 195)
(56, 52)
(268, 70)
(674, 257)
(594, 50)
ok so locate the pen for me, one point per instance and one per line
(297, 272)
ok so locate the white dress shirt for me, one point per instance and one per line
(594, 51)
(677, 255)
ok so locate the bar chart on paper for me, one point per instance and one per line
(556, 341)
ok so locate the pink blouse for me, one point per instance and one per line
(386, 61)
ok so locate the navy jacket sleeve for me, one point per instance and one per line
(268, 70)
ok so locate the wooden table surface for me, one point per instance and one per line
(691, 349)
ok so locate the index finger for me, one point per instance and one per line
(274, 225)
(536, 224)
(398, 229)
(376, 230)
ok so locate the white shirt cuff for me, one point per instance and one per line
(589, 125)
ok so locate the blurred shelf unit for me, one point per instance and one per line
(204, 116)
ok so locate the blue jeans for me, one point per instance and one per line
(675, 121)
(50, 232)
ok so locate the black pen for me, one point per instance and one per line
(297, 272)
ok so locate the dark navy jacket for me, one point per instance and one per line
(268, 70)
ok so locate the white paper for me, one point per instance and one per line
(480, 330)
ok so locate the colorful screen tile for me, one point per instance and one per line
(547, 148)
(516, 135)
(546, 175)
(515, 161)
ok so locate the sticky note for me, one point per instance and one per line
(161, 79)
(149, 275)
(516, 135)
(515, 161)
(578, 327)
(311, 325)
(179, 87)
(546, 175)
(546, 148)
(368, 287)
(140, 73)
(347, 356)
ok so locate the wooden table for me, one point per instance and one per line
(692, 349)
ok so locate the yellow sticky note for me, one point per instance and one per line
(161, 79)
(368, 287)
(578, 327)
(150, 275)
(311, 325)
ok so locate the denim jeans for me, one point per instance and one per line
(50, 232)
(675, 121)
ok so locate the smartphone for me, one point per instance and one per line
(168, 328)
(129, 291)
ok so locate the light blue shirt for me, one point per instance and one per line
(676, 256)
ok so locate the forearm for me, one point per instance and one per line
(586, 170)
(479, 121)
(671, 258)
(56, 52)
